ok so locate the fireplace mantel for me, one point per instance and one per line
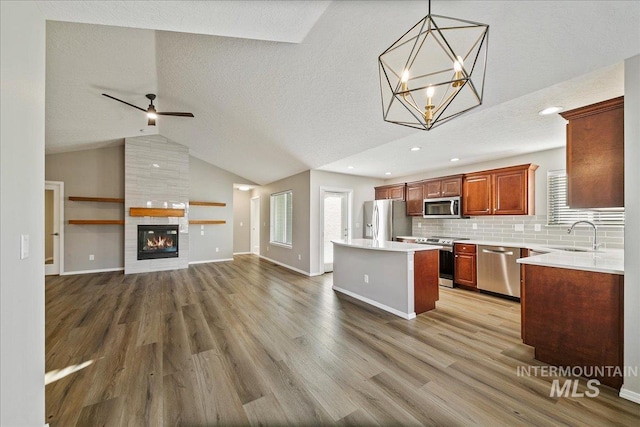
(164, 212)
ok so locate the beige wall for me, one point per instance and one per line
(22, 73)
(91, 173)
(241, 221)
(300, 185)
(212, 184)
(631, 387)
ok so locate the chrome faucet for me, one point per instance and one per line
(596, 245)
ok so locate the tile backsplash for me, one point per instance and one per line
(517, 229)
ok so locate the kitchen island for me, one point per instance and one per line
(401, 278)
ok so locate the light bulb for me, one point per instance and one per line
(152, 116)
(430, 91)
(405, 76)
(457, 67)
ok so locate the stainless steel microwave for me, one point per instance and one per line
(446, 207)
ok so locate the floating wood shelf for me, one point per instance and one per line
(96, 199)
(156, 212)
(206, 221)
(196, 203)
(97, 221)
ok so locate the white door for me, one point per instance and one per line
(255, 225)
(53, 228)
(335, 223)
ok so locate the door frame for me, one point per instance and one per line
(254, 222)
(323, 191)
(57, 187)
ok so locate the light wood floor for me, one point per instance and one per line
(248, 342)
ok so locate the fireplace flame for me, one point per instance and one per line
(160, 242)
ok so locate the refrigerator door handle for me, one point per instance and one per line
(375, 222)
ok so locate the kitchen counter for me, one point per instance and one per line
(605, 261)
(401, 278)
(385, 245)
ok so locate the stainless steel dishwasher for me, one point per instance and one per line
(498, 270)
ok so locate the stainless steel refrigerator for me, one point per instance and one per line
(386, 219)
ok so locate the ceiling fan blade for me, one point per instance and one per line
(124, 102)
(176, 114)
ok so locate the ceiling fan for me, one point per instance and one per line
(152, 114)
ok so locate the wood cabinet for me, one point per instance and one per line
(443, 187)
(506, 191)
(415, 198)
(394, 192)
(575, 318)
(464, 265)
(595, 155)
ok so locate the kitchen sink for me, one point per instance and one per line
(570, 249)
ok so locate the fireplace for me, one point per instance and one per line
(157, 241)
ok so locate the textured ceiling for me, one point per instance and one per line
(266, 110)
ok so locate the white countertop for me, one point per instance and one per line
(605, 261)
(385, 245)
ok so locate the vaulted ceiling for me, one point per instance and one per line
(278, 87)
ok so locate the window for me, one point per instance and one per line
(561, 214)
(282, 218)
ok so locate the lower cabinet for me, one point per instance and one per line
(464, 265)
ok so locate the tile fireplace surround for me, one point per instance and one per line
(156, 176)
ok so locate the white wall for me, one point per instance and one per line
(22, 212)
(241, 221)
(363, 190)
(631, 386)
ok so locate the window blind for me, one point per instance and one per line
(281, 231)
(558, 213)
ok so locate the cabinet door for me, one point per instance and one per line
(414, 199)
(396, 192)
(382, 193)
(433, 189)
(465, 269)
(595, 155)
(477, 195)
(510, 192)
(451, 187)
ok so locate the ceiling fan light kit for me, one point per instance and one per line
(434, 72)
(151, 112)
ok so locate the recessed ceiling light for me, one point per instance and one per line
(415, 148)
(155, 165)
(350, 167)
(549, 110)
(387, 173)
(244, 188)
(455, 159)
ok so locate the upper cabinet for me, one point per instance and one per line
(506, 191)
(394, 192)
(416, 192)
(449, 186)
(595, 155)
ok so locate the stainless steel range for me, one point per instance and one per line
(446, 256)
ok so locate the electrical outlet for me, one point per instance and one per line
(518, 227)
(217, 249)
(357, 225)
(202, 227)
(419, 225)
(537, 227)
(202, 232)
(299, 257)
(91, 257)
(366, 278)
(474, 226)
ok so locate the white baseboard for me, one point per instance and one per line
(101, 270)
(211, 260)
(297, 270)
(242, 253)
(629, 395)
(407, 316)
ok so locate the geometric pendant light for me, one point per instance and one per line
(434, 72)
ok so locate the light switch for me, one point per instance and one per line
(537, 227)
(518, 227)
(202, 232)
(24, 246)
